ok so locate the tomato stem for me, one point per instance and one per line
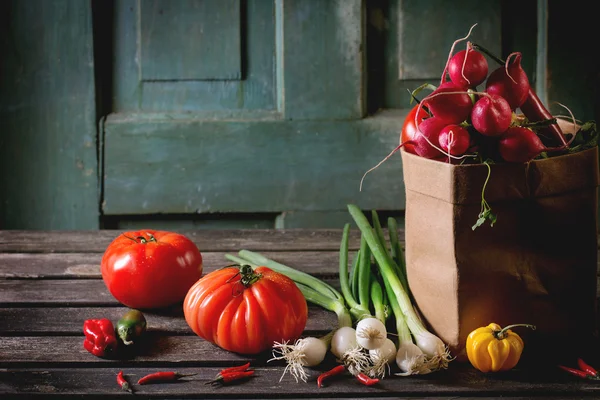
(142, 239)
(247, 275)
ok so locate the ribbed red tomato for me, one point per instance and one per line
(246, 311)
(150, 269)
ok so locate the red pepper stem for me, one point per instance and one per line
(123, 382)
(178, 375)
(501, 334)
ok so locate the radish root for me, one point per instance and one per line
(566, 145)
(506, 66)
(379, 163)
(462, 70)
(452, 51)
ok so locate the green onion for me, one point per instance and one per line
(430, 344)
(356, 309)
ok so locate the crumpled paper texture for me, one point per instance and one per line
(536, 265)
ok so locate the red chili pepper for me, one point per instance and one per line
(235, 369)
(123, 382)
(162, 376)
(585, 367)
(576, 372)
(100, 338)
(365, 380)
(337, 370)
(226, 378)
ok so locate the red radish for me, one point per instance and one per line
(510, 82)
(454, 139)
(468, 68)
(535, 110)
(520, 145)
(449, 103)
(491, 115)
(427, 137)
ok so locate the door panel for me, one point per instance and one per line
(190, 40)
(292, 134)
(249, 166)
(202, 56)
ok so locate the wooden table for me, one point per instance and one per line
(50, 283)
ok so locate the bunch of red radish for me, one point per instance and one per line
(455, 119)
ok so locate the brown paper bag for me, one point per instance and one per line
(536, 265)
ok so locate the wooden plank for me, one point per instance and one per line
(323, 219)
(156, 349)
(459, 382)
(323, 59)
(87, 265)
(304, 165)
(212, 99)
(207, 241)
(67, 321)
(188, 222)
(190, 40)
(64, 292)
(48, 165)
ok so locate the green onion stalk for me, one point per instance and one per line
(341, 340)
(432, 346)
(371, 332)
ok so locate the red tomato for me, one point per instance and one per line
(150, 269)
(245, 311)
(409, 129)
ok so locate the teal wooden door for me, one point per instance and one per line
(260, 111)
(240, 113)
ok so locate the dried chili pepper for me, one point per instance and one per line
(123, 382)
(161, 376)
(235, 369)
(574, 371)
(579, 373)
(337, 370)
(366, 380)
(100, 338)
(223, 379)
(585, 367)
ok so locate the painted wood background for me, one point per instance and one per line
(241, 113)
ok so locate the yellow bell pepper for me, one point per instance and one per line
(493, 348)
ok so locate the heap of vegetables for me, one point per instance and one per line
(458, 121)
(477, 116)
(374, 295)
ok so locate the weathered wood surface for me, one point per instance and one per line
(221, 240)
(50, 283)
(67, 321)
(456, 383)
(48, 155)
(85, 265)
(250, 165)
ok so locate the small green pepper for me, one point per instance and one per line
(131, 326)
